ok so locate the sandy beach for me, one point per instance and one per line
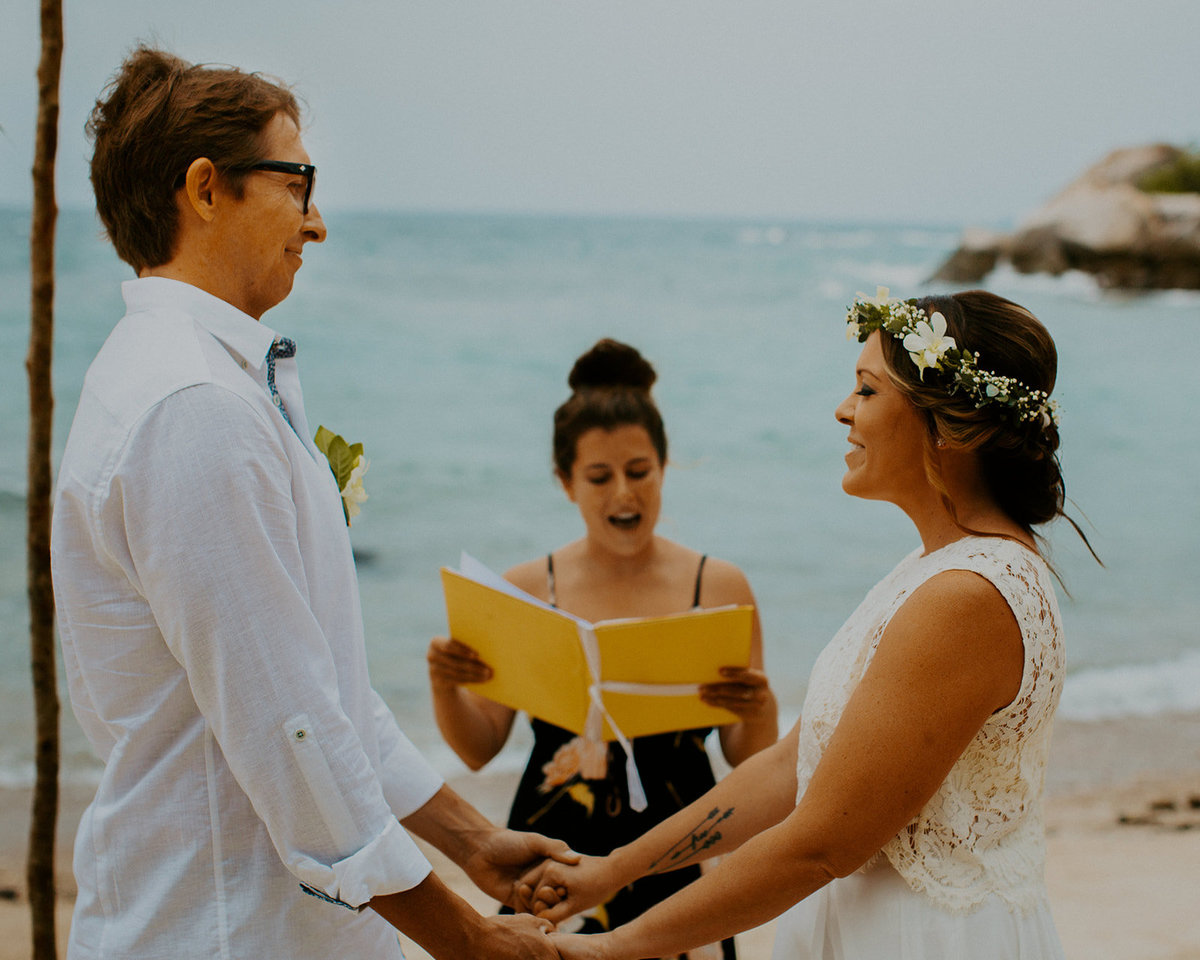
(1122, 822)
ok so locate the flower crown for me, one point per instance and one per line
(925, 339)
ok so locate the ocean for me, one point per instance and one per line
(442, 342)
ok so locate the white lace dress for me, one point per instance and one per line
(964, 880)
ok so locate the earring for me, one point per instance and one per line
(940, 443)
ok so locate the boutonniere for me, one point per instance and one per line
(348, 464)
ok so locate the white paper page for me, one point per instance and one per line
(480, 572)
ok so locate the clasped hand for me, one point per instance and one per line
(557, 888)
(501, 864)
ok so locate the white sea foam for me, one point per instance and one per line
(1136, 689)
(754, 236)
(1074, 283)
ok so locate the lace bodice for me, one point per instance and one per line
(982, 832)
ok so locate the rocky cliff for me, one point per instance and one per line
(1104, 224)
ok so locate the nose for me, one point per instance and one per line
(314, 227)
(845, 411)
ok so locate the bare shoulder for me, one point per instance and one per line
(724, 583)
(530, 576)
(960, 602)
(958, 628)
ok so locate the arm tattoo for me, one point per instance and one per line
(693, 844)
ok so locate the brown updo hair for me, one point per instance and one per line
(610, 387)
(156, 116)
(1019, 459)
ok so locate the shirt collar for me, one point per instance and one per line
(246, 338)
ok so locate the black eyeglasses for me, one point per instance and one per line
(305, 170)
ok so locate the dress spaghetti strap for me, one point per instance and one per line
(699, 575)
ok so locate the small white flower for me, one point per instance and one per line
(927, 343)
(852, 330)
(354, 493)
(880, 299)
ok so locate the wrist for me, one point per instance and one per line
(442, 685)
(621, 944)
(436, 918)
(452, 825)
(624, 865)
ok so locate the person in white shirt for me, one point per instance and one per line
(206, 591)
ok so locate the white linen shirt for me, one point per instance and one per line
(213, 644)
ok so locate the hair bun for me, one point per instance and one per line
(611, 364)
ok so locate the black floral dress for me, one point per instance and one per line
(594, 816)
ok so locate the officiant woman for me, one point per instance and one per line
(610, 454)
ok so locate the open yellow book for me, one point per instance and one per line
(553, 665)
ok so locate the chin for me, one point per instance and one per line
(854, 489)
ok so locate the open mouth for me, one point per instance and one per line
(625, 521)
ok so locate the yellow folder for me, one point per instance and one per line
(539, 665)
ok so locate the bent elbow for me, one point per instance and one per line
(475, 762)
(834, 863)
(837, 864)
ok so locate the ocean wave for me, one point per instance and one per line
(756, 236)
(1083, 287)
(1133, 690)
(1074, 283)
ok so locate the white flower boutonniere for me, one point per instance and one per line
(348, 464)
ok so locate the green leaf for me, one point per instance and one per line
(341, 455)
(324, 435)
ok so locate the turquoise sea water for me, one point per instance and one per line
(443, 343)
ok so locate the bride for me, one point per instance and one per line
(901, 817)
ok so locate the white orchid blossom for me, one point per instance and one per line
(354, 493)
(927, 343)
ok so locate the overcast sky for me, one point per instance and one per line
(937, 111)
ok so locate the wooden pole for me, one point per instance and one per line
(39, 873)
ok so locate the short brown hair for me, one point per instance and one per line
(157, 115)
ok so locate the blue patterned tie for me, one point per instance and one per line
(282, 347)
